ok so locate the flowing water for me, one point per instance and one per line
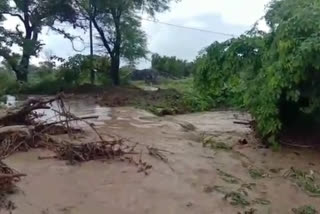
(84, 107)
(195, 180)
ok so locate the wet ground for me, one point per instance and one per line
(209, 170)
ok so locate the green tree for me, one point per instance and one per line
(119, 27)
(171, 66)
(77, 68)
(33, 16)
(276, 74)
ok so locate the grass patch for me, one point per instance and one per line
(237, 199)
(305, 210)
(190, 100)
(181, 85)
(257, 173)
(228, 178)
(261, 201)
(208, 141)
(249, 186)
(308, 181)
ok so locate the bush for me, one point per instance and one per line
(275, 75)
(7, 81)
(171, 66)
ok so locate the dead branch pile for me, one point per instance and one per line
(8, 177)
(91, 151)
(24, 128)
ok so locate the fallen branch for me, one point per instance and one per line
(70, 120)
(247, 123)
(156, 153)
(27, 130)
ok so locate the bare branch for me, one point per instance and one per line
(14, 15)
(68, 36)
(103, 37)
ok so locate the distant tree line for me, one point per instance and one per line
(171, 66)
(117, 23)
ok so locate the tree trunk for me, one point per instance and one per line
(22, 74)
(92, 71)
(115, 67)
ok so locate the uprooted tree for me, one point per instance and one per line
(119, 27)
(33, 16)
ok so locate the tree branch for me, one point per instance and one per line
(14, 15)
(103, 37)
(68, 36)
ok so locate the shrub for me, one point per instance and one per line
(275, 75)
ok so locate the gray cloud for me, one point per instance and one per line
(185, 43)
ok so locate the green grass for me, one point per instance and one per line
(228, 177)
(190, 98)
(237, 199)
(7, 80)
(257, 173)
(181, 85)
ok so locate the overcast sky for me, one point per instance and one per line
(227, 16)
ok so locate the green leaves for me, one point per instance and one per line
(269, 73)
(171, 66)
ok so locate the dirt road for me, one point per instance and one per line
(230, 178)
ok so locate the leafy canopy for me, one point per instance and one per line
(33, 16)
(275, 75)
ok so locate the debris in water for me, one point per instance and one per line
(228, 178)
(159, 154)
(261, 201)
(243, 142)
(208, 141)
(8, 179)
(250, 211)
(23, 128)
(305, 210)
(308, 181)
(237, 199)
(256, 173)
(91, 151)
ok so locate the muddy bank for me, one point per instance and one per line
(158, 101)
(198, 178)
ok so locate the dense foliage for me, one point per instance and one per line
(48, 78)
(276, 74)
(171, 66)
(118, 24)
(33, 16)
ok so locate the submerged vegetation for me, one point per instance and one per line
(308, 181)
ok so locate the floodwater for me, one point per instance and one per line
(187, 184)
(84, 107)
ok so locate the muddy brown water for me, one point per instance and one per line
(187, 186)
